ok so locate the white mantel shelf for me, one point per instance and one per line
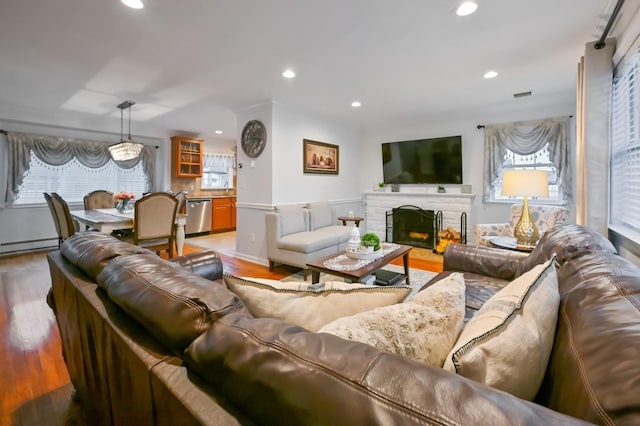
(421, 194)
(451, 204)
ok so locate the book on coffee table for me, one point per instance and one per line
(384, 277)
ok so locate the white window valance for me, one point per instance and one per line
(218, 162)
(57, 151)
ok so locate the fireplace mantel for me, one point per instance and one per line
(452, 205)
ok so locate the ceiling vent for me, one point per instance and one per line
(522, 94)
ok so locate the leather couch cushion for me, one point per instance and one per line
(291, 219)
(565, 241)
(321, 214)
(507, 344)
(173, 304)
(424, 328)
(205, 263)
(594, 370)
(281, 374)
(91, 251)
(311, 305)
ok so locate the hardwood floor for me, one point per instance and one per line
(34, 384)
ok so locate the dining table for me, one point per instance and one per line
(108, 220)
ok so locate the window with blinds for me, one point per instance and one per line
(217, 171)
(625, 145)
(73, 181)
(536, 161)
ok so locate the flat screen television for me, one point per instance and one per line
(436, 161)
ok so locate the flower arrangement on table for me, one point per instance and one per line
(124, 201)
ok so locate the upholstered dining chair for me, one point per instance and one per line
(65, 227)
(154, 222)
(54, 216)
(99, 199)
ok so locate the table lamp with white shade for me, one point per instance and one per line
(525, 183)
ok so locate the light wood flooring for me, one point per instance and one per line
(34, 384)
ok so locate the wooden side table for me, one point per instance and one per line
(354, 219)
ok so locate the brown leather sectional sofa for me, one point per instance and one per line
(148, 341)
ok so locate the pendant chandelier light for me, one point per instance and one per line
(126, 149)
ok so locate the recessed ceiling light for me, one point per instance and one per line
(356, 104)
(288, 74)
(490, 74)
(218, 132)
(466, 8)
(135, 4)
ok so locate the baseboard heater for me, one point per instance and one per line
(13, 249)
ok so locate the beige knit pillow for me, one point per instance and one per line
(423, 328)
(311, 305)
(508, 342)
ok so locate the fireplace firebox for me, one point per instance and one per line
(413, 226)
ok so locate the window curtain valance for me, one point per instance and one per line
(526, 138)
(57, 151)
(218, 162)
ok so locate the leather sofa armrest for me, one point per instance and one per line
(206, 263)
(492, 262)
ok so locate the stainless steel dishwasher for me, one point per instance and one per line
(198, 216)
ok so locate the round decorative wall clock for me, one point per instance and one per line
(254, 138)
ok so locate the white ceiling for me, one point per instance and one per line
(191, 65)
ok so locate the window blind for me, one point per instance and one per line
(73, 181)
(625, 145)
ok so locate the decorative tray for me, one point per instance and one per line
(362, 255)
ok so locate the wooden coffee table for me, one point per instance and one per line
(356, 275)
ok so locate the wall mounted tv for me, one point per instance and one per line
(436, 161)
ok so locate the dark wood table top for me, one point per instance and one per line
(357, 274)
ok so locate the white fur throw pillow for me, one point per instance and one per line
(311, 305)
(507, 344)
(423, 328)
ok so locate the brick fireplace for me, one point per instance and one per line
(451, 205)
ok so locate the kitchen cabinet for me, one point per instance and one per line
(186, 157)
(223, 214)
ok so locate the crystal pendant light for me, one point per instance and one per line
(126, 149)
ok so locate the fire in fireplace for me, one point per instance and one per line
(413, 226)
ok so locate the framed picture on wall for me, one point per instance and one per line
(320, 157)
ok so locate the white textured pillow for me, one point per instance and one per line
(423, 328)
(508, 342)
(311, 305)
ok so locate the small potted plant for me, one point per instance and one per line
(369, 243)
(380, 186)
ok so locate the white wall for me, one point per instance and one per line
(472, 152)
(291, 185)
(277, 176)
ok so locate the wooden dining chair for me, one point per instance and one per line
(99, 199)
(65, 225)
(54, 216)
(154, 222)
